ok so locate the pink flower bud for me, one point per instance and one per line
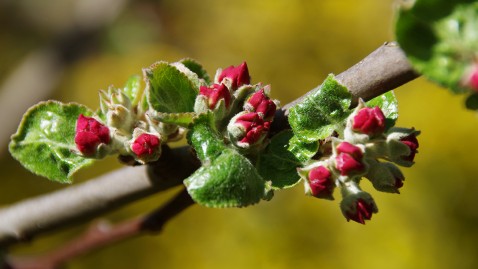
(349, 159)
(215, 93)
(321, 183)
(362, 211)
(471, 78)
(412, 143)
(370, 121)
(89, 134)
(262, 104)
(255, 127)
(238, 75)
(146, 146)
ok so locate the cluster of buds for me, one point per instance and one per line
(225, 93)
(248, 129)
(366, 142)
(118, 130)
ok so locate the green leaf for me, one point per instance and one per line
(321, 112)
(389, 105)
(205, 139)
(132, 89)
(301, 150)
(181, 119)
(44, 142)
(277, 163)
(439, 38)
(230, 180)
(169, 90)
(196, 68)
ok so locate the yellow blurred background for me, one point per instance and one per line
(293, 45)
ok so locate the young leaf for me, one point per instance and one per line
(205, 139)
(44, 142)
(132, 89)
(196, 68)
(319, 114)
(277, 163)
(181, 119)
(301, 150)
(230, 180)
(168, 89)
(389, 105)
(439, 38)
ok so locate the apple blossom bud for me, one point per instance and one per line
(320, 182)
(358, 207)
(259, 102)
(349, 159)
(370, 121)
(247, 128)
(147, 147)
(411, 142)
(90, 133)
(470, 79)
(215, 93)
(237, 76)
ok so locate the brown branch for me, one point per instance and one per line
(381, 71)
(101, 234)
(86, 201)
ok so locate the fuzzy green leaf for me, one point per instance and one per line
(227, 178)
(44, 142)
(389, 105)
(205, 139)
(196, 68)
(277, 163)
(169, 90)
(132, 89)
(301, 150)
(182, 119)
(439, 38)
(230, 180)
(319, 114)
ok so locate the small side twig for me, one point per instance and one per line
(101, 234)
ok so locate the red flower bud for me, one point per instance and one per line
(262, 104)
(362, 211)
(255, 127)
(370, 121)
(412, 143)
(321, 183)
(146, 145)
(349, 159)
(89, 134)
(215, 93)
(238, 75)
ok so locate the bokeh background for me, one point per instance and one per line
(84, 46)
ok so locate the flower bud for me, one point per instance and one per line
(147, 147)
(358, 206)
(117, 108)
(470, 78)
(259, 102)
(411, 142)
(321, 183)
(247, 128)
(385, 177)
(235, 76)
(215, 93)
(89, 134)
(370, 121)
(348, 159)
(402, 146)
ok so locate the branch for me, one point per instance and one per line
(381, 71)
(102, 234)
(21, 221)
